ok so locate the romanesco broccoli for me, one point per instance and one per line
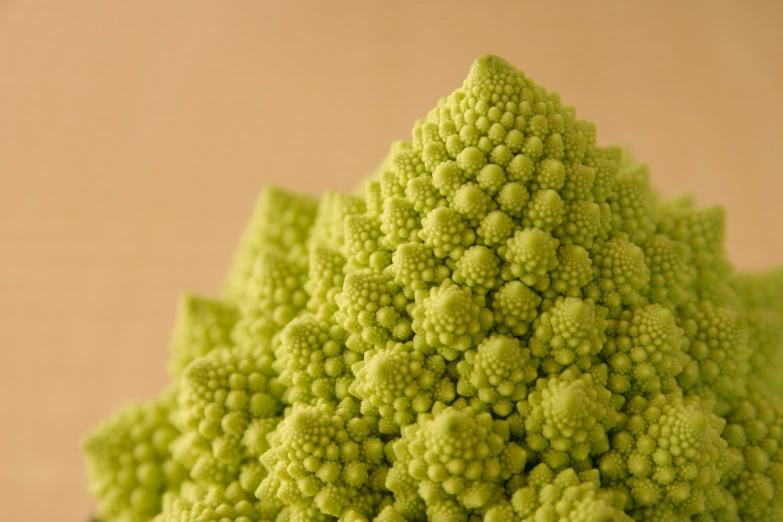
(506, 324)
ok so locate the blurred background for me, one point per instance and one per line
(134, 137)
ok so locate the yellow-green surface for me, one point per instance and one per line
(520, 329)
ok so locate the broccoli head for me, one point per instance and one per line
(505, 324)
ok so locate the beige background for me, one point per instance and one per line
(134, 136)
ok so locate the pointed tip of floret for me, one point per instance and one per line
(489, 65)
(452, 423)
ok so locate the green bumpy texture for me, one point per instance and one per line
(506, 324)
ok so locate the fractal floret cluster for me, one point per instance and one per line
(505, 324)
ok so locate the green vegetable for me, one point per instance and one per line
(506, 325)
